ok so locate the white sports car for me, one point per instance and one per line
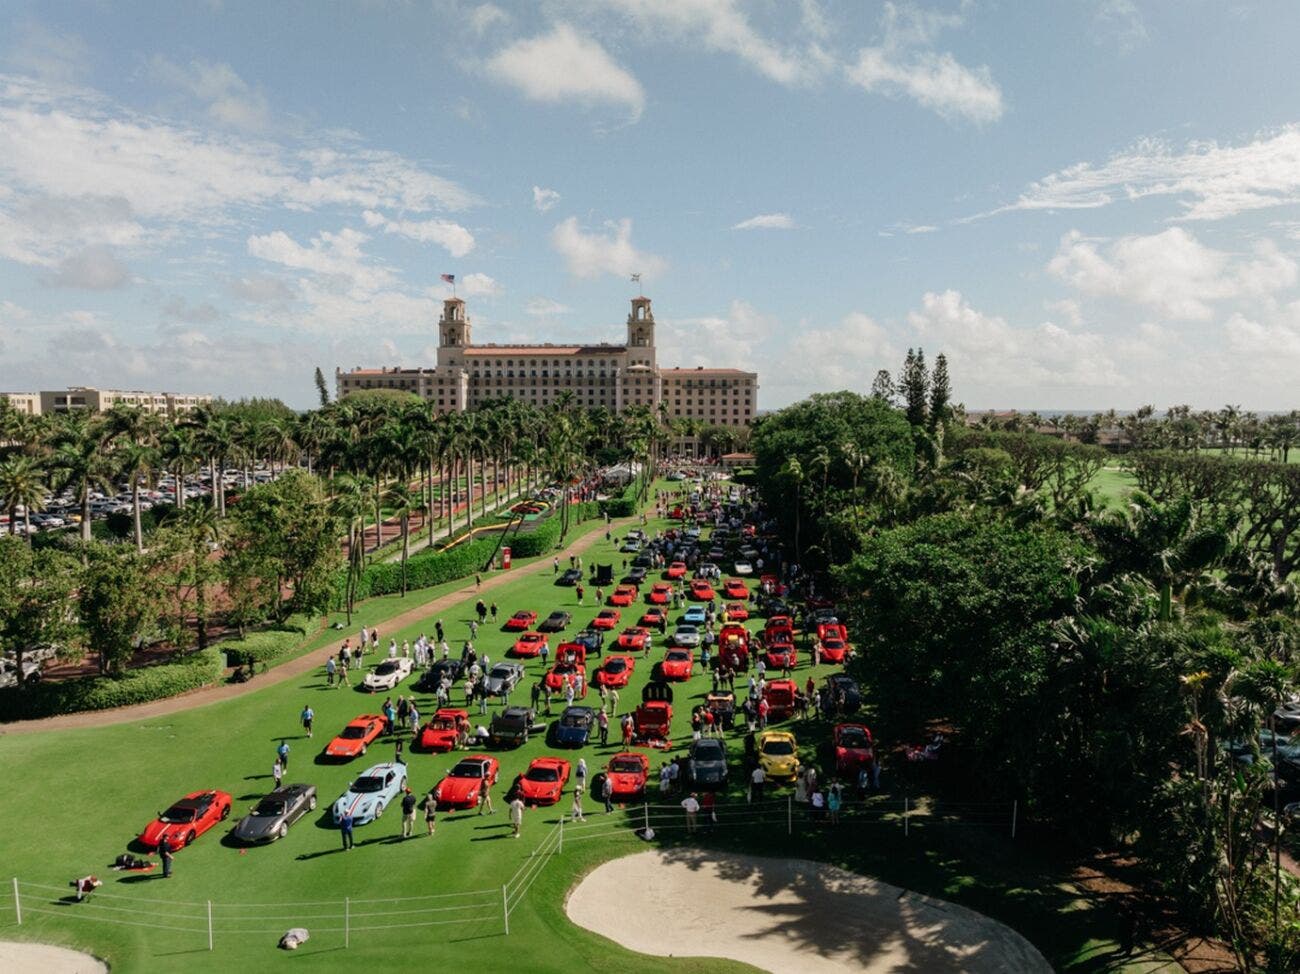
(374, 790)
(387, 674)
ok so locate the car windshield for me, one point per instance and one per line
(686, 630)
(708, 751)
(270, 809)
(626, 766)
(556, 616)
(353, 733)
(853, 737)
(467, 769)
(530, 637)
(367, 783)
(388, 666)
(177, 814)
(615, 666)
(832, 643)
(778, 747)
(576, 720)
(501, 672)
(677, 656)
(522, 616)
(607, 614)
(542, 774)
(442, 723)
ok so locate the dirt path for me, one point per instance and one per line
(788, 915)
(299, 665)
(24, 957)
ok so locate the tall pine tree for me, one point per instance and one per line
(916, 387)
(940, 392)
(883, 388)
(322, 388)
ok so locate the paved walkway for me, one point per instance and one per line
(294, 667)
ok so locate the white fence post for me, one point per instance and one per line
(647, 818)
(1015, 809)
(789, 815)
(505, 908)
(209, 924)
(347, 920)
(559, 847)
(18, 904)
(904, 815)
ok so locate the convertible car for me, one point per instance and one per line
(574, 727)
(464, 783)
(186, 820)
(358, 735)
(370, 793)
(271, 817)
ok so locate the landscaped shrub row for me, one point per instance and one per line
(426, 569)
(104, 693)
(625, 504)
(262, 647)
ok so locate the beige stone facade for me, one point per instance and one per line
(101, 400)
(599, 374)
(27, 403)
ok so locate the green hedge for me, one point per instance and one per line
(103, 693)
(427, 569)
(262, 647)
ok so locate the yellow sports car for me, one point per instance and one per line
(778, 755)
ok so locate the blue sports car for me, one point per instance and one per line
(373, 790)
(575, 726)
(694, 615)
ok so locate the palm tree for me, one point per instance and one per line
(80, 461)
(21, 485)
(178, 453)
(202, 531)
(856, 460)
(792, 473)
(135, 433)
(404, 502)
(350, 503)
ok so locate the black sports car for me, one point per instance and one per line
(571, 576)
(555, 622)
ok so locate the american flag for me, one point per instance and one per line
(449, 278)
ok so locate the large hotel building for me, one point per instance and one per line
(598, 374)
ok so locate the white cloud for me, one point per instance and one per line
(718, 341)
(41, 230)
(566, 66)
(261, 289)
(1123, 21)
(48, 54)
(92, 269)
(594, 254)
(478, 285)
(1172, 272)
(486, 16)
(767, 221)
(544, 199)
(1209, 181)
(335, 256)
(846, 355)
(176, 308)
(545, 308)
(905, 66)
(228, 98)
(454, 238)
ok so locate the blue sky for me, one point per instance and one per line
(1084, 203)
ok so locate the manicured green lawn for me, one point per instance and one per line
(75, 799)
(1113, 485)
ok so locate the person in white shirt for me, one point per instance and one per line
(392, 649)
(756, 782)
(692, 806)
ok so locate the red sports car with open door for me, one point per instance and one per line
(441, 730)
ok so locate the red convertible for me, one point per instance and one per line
(615, 671)
(358, 735)
(627, 772)
(634, 640)
(465, 782)
(624, 595)
(529, 644)
(701, 591)
(734, 588)
(606, 619)
(521, 621)
(186, 820)
(441, 731)
(661, 593)
(853, 746)
(676, 570)
(677, 664)
(653, 618)
(557, 677)
(542, 783)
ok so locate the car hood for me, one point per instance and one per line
(458, 789)
(780, 764)
(572, 733)
(626, 780)
(344, 747)
(156, 832)
(538, 789)
(362, 806)
(252, 827)
(708, 768)
(437, 737)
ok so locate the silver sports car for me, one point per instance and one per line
(271, 817)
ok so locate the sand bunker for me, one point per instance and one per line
(23, 958)
(787, 915)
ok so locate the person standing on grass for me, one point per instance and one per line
(345, 829)
(409, 801)
(343, 675)
(308, 715)
(582, 593)
(577, 805)
(492, 609)
(430, 813)
(414, 716)
(756, 782)
(283, 752)
(627, 730)
(438, 632)
(708, 805)
(485, 801)
(277, 772)
(516, 816)
(581, 774)
(602, 723)
(555, 563)
(692, 806)
(329, 671)
(165, 854)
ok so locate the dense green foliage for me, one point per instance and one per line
(262, 647)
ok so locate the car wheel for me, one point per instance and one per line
(379, 809)
(311, 804)
(225, 813)
(284, 829)
(189, 839)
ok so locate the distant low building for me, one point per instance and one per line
(593, 374)
(27, 403)
(95, 400)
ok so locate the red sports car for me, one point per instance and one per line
(653, 618)
(676, 570)
(615, 671)
(734, 588)
(624, 595)
(358, 735)
(779, 648)
(833, 643)
(701, 591)
(677, 664)
(606, 619)
(735, 612)
(558, 675)
(542, 783)
(780, 622)
(627, 772)
(634, 640)
(465, 782)
(529, 644)
(661, 593)
(853, 746)
(186, 820)
(441, 731)
(521, 621)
